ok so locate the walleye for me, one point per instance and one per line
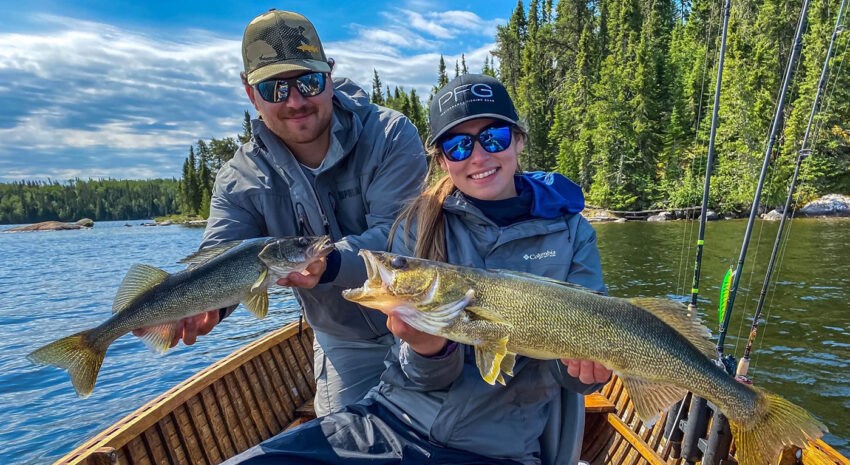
(216, 277)
(658, 350)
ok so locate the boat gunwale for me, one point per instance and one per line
(148, 415)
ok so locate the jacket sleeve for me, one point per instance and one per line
(586, 266)
(398, 179)
(230, 218)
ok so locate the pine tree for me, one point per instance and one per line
(247, 133)
(487, 69)
(510, 40)
(377, 97)
(463, 68)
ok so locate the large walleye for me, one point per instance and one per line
(216, 277)
(658, 350)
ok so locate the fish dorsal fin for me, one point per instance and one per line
(651, 399)
(208, 253)
(524, 275)
(258, 302)
(677, 316)
(159, 338)
(139, 279)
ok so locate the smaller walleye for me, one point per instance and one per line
(654, 347)
(148, 297)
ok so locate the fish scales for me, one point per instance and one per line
(657, 349)
(216, 277)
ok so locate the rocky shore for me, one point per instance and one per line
(831, 205)
(84, 223)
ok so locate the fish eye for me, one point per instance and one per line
(303, 241)
(399, 262)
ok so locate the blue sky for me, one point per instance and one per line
(96, 89)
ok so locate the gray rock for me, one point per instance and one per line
(828, 205)
(710, 215)
(46, 226)
(772, 215)
(663, 216)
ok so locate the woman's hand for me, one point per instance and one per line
(587, 371)
(422, 343)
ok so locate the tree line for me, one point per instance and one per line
(100, 200)
(615, 94)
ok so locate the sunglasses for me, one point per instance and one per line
(277, 90)
(493, 139)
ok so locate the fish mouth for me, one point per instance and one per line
(378, 280)
(321, 248)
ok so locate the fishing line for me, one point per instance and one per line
(804, 152)
(695, 168)
(765, 164)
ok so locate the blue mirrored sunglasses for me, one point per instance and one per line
(277, 90)
(493, 139)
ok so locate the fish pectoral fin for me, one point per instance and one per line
(651, 398)
(486, 314)
(261, 280)
(489, 358)
(159, 338)
(139, 279)
(258, 302)
(508, 362)
(491, 353)
(208, 253)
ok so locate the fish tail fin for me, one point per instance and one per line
(779, 423)
(77, 355)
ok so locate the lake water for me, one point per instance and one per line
(56, 283)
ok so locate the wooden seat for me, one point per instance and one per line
(598, 403)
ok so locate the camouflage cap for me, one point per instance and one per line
(279, 41)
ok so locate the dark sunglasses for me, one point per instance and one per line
(277, 90)
(493, 139)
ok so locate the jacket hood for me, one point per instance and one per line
(554, 194)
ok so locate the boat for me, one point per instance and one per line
(267, 387)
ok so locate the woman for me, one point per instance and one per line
(432, 405)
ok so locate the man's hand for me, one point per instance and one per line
(587, 371)
(306, 279)
(422, 343)
(190, 327)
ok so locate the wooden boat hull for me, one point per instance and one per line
(268, 386)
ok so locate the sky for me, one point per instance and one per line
(113, 89)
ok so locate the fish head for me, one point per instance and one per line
(396, 284)
(283, 255)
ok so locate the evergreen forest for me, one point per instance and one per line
(615, 94)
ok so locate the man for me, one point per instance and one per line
(323, 160)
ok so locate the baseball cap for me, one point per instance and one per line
(279, 41)
(467, 97)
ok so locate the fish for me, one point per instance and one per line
(219, 276)
(657, 349)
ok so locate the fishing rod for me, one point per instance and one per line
(777, 118)
(805, 151)
(692, 306)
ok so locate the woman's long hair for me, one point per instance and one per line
(426, 212)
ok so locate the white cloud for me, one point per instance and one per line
(76, 86)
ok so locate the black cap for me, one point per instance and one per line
(467, 97)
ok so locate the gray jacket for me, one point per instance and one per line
(445, 398)
(375, 162)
